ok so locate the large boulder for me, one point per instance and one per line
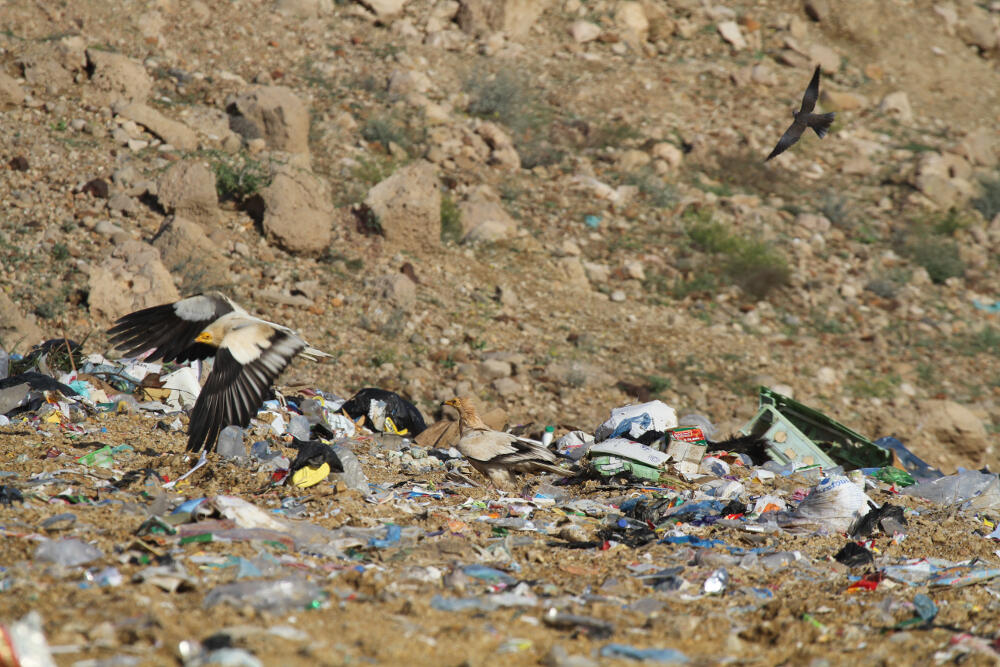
(950, 435)
(132, 278)
(172, 132)
(272, 113)
(18, 331)
(298, 213)
(187, 189)
(187, 252)
(11, 93)
(408, 207)
(484, 217)
(512, 17)
(117, 78)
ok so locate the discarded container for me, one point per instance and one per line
(277, 596)
(184, 387)
(594, 627)
(298, 427)
(230, 444)
(353, 475)
(68, 552)
(908, 461)
(716, 582)
(686, 447)
(970, 489)
(575, 444)
(23, 644)
(795, 432)
(621, 456)
(657, 655)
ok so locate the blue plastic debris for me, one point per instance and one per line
(692, 540)
(489, 574)
(660, 655)
(392, 535)
(592, 221)
(925, 606)
(912, 463)
(189, 505)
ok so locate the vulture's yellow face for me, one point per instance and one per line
(205, 337)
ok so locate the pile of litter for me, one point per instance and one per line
(333, 513)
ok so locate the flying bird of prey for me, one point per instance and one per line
(249, 354)
(805, 118)
(496, 454)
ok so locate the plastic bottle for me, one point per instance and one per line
(68, 552)
(298, 427)
(25, 642)
(548, 435)
(230, 445)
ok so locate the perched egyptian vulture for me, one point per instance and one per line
(249, 354)
(496, 454)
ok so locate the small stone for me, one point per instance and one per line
(817, 10)
(825, 57)
(826, 376)
(730, 31)
(124, 204)
(634, 270)
(19, 163)
(633, 159)
(897, 104)
(11, 93)
(618, 296)
(837, 100)
(97, 187)
(493, 369)
(630, 17)
(669, 153)
(507, 387)
(585, 31)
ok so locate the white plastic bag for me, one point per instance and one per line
(633, 421)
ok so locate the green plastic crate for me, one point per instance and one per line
(796, 432)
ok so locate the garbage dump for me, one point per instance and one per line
(321, 518)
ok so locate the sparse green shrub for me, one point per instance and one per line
(451, 220)
(239, 176)
(384, 129)
(989, 202)
(711, 236)
(506, 98)
(938, 256)
(835, 209)
(658, 192)
(60, 252)
(501, 97)
(755, 266)
(951, 222)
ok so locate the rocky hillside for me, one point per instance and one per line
(557, 206)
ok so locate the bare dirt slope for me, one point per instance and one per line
(632, 245)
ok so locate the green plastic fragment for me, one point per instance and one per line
(99, 458)
(893, 475)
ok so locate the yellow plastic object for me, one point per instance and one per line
(54, 417)
(390, 427)
(305, 477)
